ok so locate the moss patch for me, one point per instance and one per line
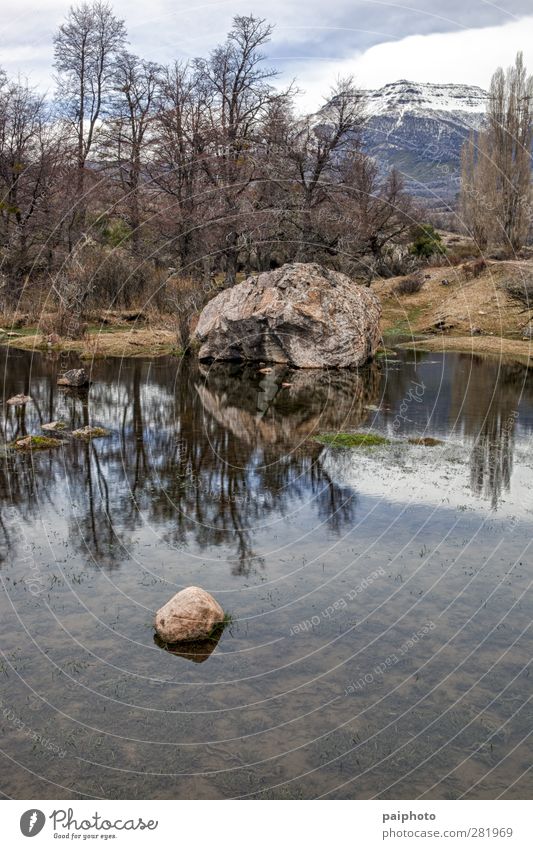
(37, 443)
(351, 440)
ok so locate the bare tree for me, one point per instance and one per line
(127, 136)
(316, 147)
(496, 176)
(239, 93)
(29, 173)
(176, 167)
(86, 48)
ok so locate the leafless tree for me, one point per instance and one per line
(126, 135)
(86, 48)
(315, 147)
(239, 92)
(496, 174)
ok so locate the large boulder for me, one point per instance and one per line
(301, 314)
(76, 377)
(191, 614)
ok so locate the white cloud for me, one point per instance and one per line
(312, 42)
(469, 56)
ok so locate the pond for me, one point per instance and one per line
(380, 597)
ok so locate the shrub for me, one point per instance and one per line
(520, 289)
(409, 285)
(426, 242)
(474, 269)
(64, 323)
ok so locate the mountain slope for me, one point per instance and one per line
(420, 128)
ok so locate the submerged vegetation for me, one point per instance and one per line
(352, 440)
(36, 443)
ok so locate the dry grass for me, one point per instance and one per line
(453, 300)
(131, 342)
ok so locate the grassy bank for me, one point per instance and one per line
(118, 342)
(451, 312)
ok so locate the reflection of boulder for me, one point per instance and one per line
(301, 314)
(195, 650)
(74, 377)
(260, 409)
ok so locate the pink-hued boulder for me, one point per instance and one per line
(191, 614)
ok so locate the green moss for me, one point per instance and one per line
(36, 443)
(351, 440)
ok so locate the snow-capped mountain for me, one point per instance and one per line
(420, 129)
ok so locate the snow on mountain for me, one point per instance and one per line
(404, 96)
(419, 128)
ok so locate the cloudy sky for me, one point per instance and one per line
(314, 41)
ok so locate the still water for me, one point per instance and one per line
(380, 598)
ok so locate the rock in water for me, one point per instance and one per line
(301, 314)
(189, 615)
(74, 377)
(19, 400)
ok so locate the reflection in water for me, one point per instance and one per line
(211, 453)
(210, 477)
(471, 397)
(196, 651)
(216, 452)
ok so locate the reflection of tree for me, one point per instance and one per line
(209, 457)
(485, 398)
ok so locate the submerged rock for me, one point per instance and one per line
(89, 432)
(18, 400)
(301, 314)
(191, 614)
(58, 425)
(74, 377)
(37, 443)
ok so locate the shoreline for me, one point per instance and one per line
(509, 350)
(157, 342)
(130, 342)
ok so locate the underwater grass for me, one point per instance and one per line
(351, 440)
(36, 443)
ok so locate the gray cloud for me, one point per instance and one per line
(305, 31)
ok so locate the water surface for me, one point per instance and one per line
(381, 603)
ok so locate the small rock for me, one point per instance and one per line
(189, 615)
(54, 426)
(74, 377)
(19, 400)
(89, 432)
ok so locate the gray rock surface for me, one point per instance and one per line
(74, 377)
(301, 314)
